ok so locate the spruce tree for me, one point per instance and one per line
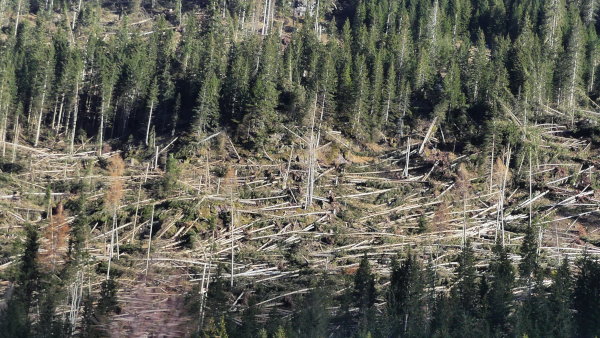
(364, 288)
(586, 297)
(528, 264)
(313, 316)
(406, 306)
(499, 297)
(14, 319)
(465, 297)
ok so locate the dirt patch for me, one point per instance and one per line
(155, 309)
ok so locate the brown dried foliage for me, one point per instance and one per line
(55, 241)
(116, 167)
(441, 217)
(463, 180)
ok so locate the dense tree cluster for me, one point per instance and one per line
(370, 68)
(551, 302)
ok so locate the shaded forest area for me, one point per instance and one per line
(365, 168)
(372, 69)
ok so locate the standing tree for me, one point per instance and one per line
(586, 297)
(499, 296)
(364, 294)
(465, 297)
(406, 306)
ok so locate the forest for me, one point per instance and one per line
(305, 168)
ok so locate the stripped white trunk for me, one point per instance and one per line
(39, 122)
(18, 15)
(572, 89)
(75, 15)
(101, 129)
(149, 121)
(74, 121)
(149, 240)
(265, 13)
(15, 140)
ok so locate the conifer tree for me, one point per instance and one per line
(14, 319)
(364, 287)
(313, 317)
(572, 59)
(406, 297)
(465, 296)
(206, 112)
(260, 116)
(586, 297)
(560, 302)
(499, 296)
(528, 264)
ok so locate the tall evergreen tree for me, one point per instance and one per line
(586, 297)
(14, 319)
(560, 302)
(465, 297)
(499, 297)
(406, 306)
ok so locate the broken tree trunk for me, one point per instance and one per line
(149, 240)
(428, 135)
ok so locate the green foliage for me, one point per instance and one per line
(499, 298)
(421, 224)
(312, 319)
(107, 302)
(586, 297)
(483, 68)
(560, 302)
(14, 318)
(364, 287)
(406, 298)
(169, 179)
(465, 296)
(528, 250)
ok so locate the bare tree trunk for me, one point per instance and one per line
(554, 24)
(310, 186)
(464, 232)
(137, 205)
(39, 122)
(264, 27)
(60, 113)
(272, 8)
(18, 15)
(4, 121)
(434, 21)
(75, 14)
(387, 107)
(492, 162)
(149, 240)
(530, 191)
(112, 242)
(317, 18)
(500, 213)
(15, 139)
(101, 129)
(572, 89)
(57, 117)
(4, 133)
(149, 121)
(232, 226)
(405, 173)
(75, 113)
(156, 158)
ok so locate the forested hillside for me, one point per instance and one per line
(307, 168)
